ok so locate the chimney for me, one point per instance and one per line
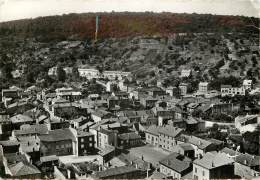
(142, 157)
(69, 174)
(213, 165)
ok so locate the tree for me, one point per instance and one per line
(61, 74)
(75, 73)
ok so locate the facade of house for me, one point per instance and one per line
(213, 165)
(88, 73)
(183, 88)
(58, 142)
(228, 90)
(86, 143)
(175, 165)
(203, 87)
(247, 123)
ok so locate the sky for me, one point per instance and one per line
(20, 9)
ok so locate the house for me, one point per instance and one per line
(107, 137)
(8, 95)
(88, 73)
(247, 123)
(201, 146)
(185, 73)
(194, 124)
(147, 101)
(247, 84)
(21, 119)
(184, 149)
(247, 166)
(123, 172)
(86, 143)
(112, 75)
(228, 90)
(213, 165)
(99, 115)
(175, 165)
(152, 135)
(10, 146)
(79, 121)
(21, 170)
(173, 91)
(128, 140)
(27, 130)
(183, 88)
(167, 136)
(203, 87)
(58, 142)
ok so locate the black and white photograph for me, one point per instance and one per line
(130, 89)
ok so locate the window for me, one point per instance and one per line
(203, 173)
(90, 145)
(82, 145)
(196, 170)
(82, 140)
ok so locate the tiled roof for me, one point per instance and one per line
(213, 160)
(170, 131)
(176, 162)
(58, 135)
(200, 143)
(21, 118)
(32, 129)
(22, 169)
(248, 160)
(129, 136)
(153, 130)
(116, 171)
(9, 143)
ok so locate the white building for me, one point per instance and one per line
(88, 73)
(183, 88)
(203, 87)
(247, 123)
(228, 90)
(247, 84)
(111, 75)
(185, 73)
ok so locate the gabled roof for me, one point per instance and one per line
(32, 129)
(58, 135)
(116, 171)
(153, 130)
(21, 118)
(170, 131)
(22, 169)
(213, 160)
(177, 162)
(129, 136)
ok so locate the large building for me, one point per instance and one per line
(175, 165)
(89, 73)
(203, 87)
(228, 90)
(58, 142)
(213, 165)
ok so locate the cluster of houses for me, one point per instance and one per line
(66, 134)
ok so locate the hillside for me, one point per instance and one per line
(124, 25)
(151, 46)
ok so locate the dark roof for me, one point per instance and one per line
(116, 171)
(58, 135)
(176, 162)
